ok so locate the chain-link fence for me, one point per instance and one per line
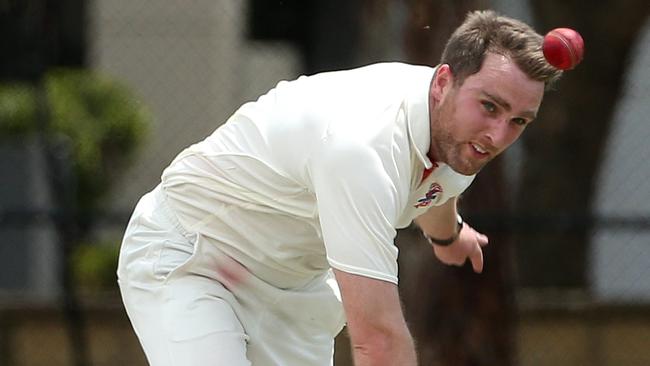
(567, 270)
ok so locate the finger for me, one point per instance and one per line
(477, 259)
(482, 239)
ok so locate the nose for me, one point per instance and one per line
(498, 134)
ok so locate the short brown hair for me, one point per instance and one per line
(486, 31)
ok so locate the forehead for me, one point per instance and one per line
(501, 77)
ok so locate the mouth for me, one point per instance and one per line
(479, 150)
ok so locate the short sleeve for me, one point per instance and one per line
(358, 207)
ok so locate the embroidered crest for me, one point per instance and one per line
(431, 195)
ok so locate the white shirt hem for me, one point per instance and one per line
(362, 271)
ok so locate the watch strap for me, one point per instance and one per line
(450, 240)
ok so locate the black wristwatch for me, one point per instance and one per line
(448, 241)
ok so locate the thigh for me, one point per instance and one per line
(298, 328)
(186, 321)
(180, 318)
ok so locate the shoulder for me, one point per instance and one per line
(376, 71)
(394, 66)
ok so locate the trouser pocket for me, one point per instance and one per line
(154, 245)
(173, 254)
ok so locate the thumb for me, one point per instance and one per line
(482, 239)
(477, 259)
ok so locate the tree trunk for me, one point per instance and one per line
(457, 317)
(564, 147)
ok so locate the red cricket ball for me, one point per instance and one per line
(563, 48)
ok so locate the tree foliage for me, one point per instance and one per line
(101, 120)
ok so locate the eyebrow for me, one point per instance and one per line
(528, 114)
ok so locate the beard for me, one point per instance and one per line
(446, 148)
(450, 151)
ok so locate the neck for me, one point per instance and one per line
(433, 123)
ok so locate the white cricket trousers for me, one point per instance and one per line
(191, 305)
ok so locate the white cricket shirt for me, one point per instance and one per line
(318, 172)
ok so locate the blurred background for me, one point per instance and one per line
(98, 96)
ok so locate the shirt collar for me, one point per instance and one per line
(418, 123)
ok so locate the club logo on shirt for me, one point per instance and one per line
(431, 195)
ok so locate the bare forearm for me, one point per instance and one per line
(388, 351)
(439, 222)
(392, 346)
(376, 325)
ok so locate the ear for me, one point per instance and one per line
(443, 80)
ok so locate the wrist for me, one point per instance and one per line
(451, 239)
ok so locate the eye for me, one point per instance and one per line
(519, 121)
(489, 106)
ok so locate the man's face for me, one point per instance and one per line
(476, 121)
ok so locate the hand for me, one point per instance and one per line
(468, 245)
